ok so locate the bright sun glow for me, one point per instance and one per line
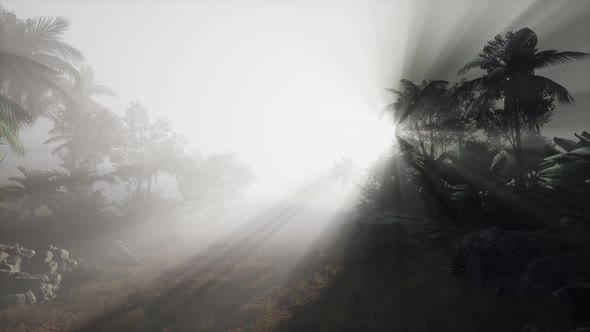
(364, 137)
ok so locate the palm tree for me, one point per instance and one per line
(343, 170)
(80, 182)
(510, 63)
(420, 106)
(34, 60)
(34, 189)
(85, 129)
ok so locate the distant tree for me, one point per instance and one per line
(214, 181)
(85, 130)
(343, 171)
(146, 149)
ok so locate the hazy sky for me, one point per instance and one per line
(292, 86)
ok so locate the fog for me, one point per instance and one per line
(289, 87)
(253, 127)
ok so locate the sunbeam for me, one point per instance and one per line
(294, 166)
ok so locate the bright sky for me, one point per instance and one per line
(291, 87)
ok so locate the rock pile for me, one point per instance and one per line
(28, 277)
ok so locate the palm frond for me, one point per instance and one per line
(476, 64)
(433, 86)
(31, 70)
(396, 92)
(101, 90)
(57, 138)
(478, 102)
(63, 50)
(553, 58)
(11, 138)
(556, 90)
(58, 64)
(13, 114)
(409, 84)
(47, 33)
(472, 85)
(46, 27)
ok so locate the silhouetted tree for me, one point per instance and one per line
(146, 149)
(510, 62)
(343, 171)
(86, 131)
(421, 111)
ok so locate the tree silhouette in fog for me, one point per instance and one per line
(85, 130)
(421, 110)
(344, 171)
(510, 62)
(212, 182)
(146, 149)
(32, 190)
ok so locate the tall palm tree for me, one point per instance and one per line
(34, 60)
(34, 189)
(510, 63)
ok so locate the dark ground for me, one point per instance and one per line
(341, 285)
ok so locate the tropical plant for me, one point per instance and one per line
(565, 176)
(33, 190)
(86, 131)
(89, 206)
(80, 181)
(34, 61)
(421, 111)
(510, 62)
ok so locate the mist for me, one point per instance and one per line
(208, 136)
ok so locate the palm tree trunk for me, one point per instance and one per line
(511, 104)
(149, 185)
(431, 144)
(138, 186)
